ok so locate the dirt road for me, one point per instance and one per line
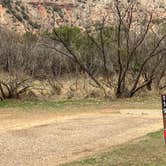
(48, 139)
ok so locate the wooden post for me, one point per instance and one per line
(163, 98)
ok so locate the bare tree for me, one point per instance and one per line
(132, 43)
(15, 65)
(133, 50)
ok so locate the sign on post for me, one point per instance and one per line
(163, 98)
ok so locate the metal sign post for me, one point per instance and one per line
(163, 98)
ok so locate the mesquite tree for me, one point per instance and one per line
(128, 52)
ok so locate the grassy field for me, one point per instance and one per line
(147, 151)
(60, 106)
(84, 105)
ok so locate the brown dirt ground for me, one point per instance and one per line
(40, 139)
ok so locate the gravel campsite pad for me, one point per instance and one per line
(32, 139)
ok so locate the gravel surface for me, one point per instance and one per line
(58, 141)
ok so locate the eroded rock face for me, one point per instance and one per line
(35, 15)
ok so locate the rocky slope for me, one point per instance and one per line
(24, 15)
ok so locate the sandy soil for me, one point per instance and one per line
(40, 139)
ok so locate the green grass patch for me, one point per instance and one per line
(148, 151)
(50, 104)
(148, 102)
(84, 105)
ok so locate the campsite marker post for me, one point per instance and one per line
(163, 98)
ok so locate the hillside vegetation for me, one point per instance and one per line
(119, 59)
(39, 15)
